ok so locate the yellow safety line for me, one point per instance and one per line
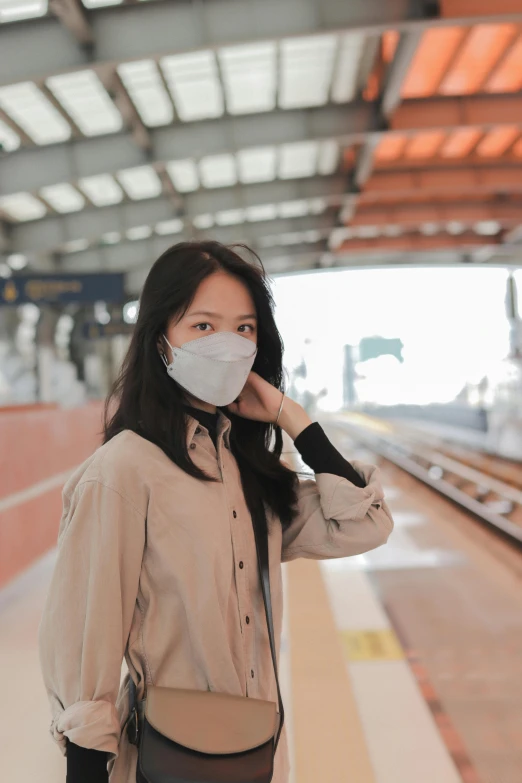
(329, 741)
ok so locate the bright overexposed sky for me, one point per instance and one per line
(452, 322)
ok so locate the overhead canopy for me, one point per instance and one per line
(320, 133)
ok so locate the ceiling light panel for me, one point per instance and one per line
(75, 246)
(140, 182)
(111, 237)
(479, 53)
(145, 87)
(184, 175)
(292, 209)
(100, 3)
(26, 105)
(230, 217)
(306, 70)
(316, 205)
(460, 142)
(13, 10)
(507, 76)
(497, 141)
(138, 232)
(203, 221)
(298, 159)
(344, 84)
(87, 102)
(327, 157)
(257, 164)
(63, 198)
(101, 189)
(22, 206)
(261, 212)
(249, 76)
(9, 140)
(173, 226)
(218, 171)
(194, 85)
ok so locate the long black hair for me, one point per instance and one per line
(151, 404)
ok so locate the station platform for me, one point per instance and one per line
(402, 665)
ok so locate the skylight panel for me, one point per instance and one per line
(173, 226)
(111, 237)
(297, 159)
(218, 171)
(31, 110)
(312, 235)
(86, 101)
(145, 87)
(101, 189)
(22, 206)
(203, 221)
(291, 238)
(100, 3)
(13, 10)
(194, 84)
(316, 205)
(63, 198)
(138, 232)
(292, 209)
(327, 157)
(9, 140)
(261, 212)
(249, 76)
(140, 182)
(257, 164)
(75, 246)
(306, 70)
(184, 175)
(230, 217)
(344, 85)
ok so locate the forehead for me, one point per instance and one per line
(221, 291)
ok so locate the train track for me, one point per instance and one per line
(488, 487)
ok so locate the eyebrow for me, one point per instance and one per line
(216, 315)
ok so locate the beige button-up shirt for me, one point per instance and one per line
(160, 568)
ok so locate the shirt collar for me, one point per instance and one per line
(223, 426)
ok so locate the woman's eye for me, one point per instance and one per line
(249, 326)
(202, 324)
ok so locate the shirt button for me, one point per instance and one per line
(241, 564)
(247, 619)
(251, 672)
(192, 445)
(234, 514)
(198, 430)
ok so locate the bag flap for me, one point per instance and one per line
(211, 722)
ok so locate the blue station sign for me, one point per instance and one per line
(62, 289)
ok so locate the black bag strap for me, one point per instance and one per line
(262, 561)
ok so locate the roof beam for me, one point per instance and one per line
(413, 242)
(30, 169)
(46, 235)
(127, 255)
(411, 215)
(131, 32)
(71, 13)
(401, 185)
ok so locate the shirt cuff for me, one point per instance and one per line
(321, 456)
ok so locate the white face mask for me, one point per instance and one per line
(213, 368)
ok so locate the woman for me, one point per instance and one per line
(157, 557)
